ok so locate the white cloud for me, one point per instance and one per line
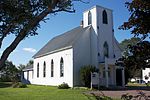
(31, 50)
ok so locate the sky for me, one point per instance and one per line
(62, 22)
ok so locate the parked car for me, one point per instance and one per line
(140, 81)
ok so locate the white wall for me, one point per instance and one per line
(56, 80)
(101, 32)
(105, 32)
(81, 55)
(28, 77)
(117, 49)
(93, 11)
(146, 72)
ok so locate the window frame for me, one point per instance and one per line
(38, 70)
(44, 69)
(106, 49)
(61, 67)
(52, 68)
(89, 18)
(105, 17)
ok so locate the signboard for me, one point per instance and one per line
(94, 79)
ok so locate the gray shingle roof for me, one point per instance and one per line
(62, 41)
(30, 67)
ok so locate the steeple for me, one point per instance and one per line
(99, 17)
(101, 20)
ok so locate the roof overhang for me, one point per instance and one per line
(55, 51)
(31, 69)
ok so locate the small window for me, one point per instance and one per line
(32, 73)
(61, 67)
(103, 72)
(27, 75)
(22, 75)
(52, 68)
(106, 50)
(38, 70)
(44, 69)
(105, 20)
(89, 18)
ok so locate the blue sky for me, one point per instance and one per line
(62, 22)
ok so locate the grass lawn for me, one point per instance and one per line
(137, 84)
(34, 92)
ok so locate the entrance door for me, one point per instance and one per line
(119, 77)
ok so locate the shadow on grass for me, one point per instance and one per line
(5, 84)
(96, 97)
(140, 96)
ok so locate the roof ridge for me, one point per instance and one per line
(54, 39)
(65, 32)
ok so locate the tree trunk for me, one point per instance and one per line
(23, 33)
(5, 33)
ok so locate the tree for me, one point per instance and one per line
(21, 66)
(10, 72)
(129, 71)
(139, 20)
(29, 63)
(137, 58)
(124, 44)
(22, 17)
(85, 74)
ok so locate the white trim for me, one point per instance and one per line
(98, 7)
(54, 51)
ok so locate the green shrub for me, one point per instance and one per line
(81, 88)
(103, 97)
(85, 74)
(63, 86)
(21, 85)
(5, 78)
(15, 85)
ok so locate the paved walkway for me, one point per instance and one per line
(117, 93)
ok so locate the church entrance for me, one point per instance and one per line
(119, 77)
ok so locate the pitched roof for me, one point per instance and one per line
(63, 41)
(30, 67)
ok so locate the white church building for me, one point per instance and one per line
(91, 43)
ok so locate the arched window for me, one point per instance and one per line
(52, 68)
(61, 67)
(89, 18)
(44, 69)
(38, 70)
(106, 50)
(105, 20)
(27, 75)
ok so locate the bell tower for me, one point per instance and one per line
(101, 20)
